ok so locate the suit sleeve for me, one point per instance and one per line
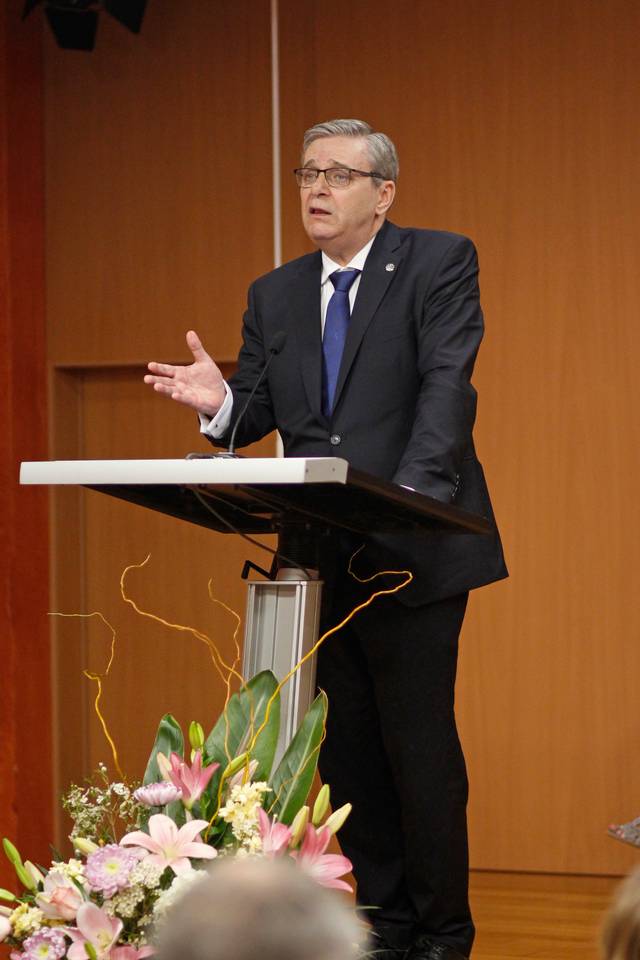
(448, 339)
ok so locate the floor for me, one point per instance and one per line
(538, 916)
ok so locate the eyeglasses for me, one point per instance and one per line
(335, 176)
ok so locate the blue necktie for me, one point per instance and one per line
(335, 333)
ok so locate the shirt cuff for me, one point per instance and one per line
(216, 427)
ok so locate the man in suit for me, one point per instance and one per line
(377, 333)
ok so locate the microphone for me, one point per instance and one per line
(276, 345)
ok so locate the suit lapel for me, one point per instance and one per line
(379, 271)
(304, 308)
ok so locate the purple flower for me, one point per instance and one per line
(47, 944)
(107, 870)
(157, 794)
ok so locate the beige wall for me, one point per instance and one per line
(516, 124)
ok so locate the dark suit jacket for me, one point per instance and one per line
(404, 405)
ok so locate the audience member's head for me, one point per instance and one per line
(259, 909)
(621, 933)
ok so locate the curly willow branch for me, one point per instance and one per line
(216, 657)
(98, 678)
(232, 670)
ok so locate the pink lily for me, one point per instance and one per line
(93, 926)
(170, 847)
(5, 929)
(60, 898)
(128, 952)
(190, 780)
(323, 867)
(275, 836)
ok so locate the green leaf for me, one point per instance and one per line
(168, 739)
(292, 780)
(235, 729)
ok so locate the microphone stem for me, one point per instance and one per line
(232, 442)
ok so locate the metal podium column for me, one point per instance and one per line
(281, 626)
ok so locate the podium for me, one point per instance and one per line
(300, 500)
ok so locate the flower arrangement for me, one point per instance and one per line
(138, 847)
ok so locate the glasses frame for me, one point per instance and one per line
(350, 170)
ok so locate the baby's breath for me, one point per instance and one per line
(102, 811)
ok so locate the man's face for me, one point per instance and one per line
(342, 220)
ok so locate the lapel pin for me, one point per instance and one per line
(390, 267)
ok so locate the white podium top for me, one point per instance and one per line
(212, 470)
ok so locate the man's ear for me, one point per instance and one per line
(385, 196)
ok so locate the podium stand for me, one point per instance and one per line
(300, 499)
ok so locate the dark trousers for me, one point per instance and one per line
(392, 750)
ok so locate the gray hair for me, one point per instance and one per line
(258, 909)
(382, 152)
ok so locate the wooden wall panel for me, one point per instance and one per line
(517, 124)
(25, 758)
(159, 182)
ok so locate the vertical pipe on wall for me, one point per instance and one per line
(275, 154)
(275, 137)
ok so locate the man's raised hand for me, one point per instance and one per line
(199, 385)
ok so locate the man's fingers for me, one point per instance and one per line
(165, 369)
(195, 345)
(150, 378)
(166, 389)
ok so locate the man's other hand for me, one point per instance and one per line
(199, 385)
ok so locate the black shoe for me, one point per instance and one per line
(385, 953)
(424, 948)
(381, 950)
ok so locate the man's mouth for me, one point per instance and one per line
(318, 211)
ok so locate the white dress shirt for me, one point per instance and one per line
(217, 426)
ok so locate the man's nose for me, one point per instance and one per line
(319, 186)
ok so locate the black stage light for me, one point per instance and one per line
(75, 22)
(127, 12)
(73, 29)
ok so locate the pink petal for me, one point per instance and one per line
(264, 823)
(139, 839)
(126, 952)
(280, 837)
(181, 865)
(336, 885)
(77, 951)
(314, 844)
(163, 830)
(196, 766)
(190, 830)
(199, 851)
(329, 866)
(206, 774)
(92, 921)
